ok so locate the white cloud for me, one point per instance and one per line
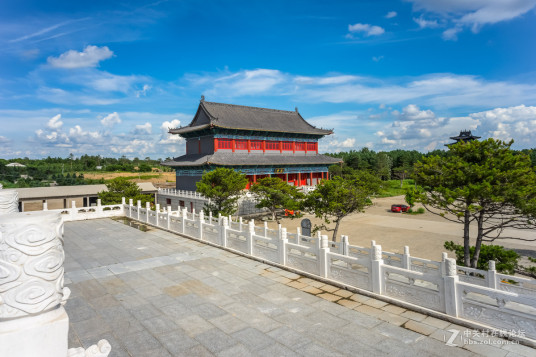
(143, 129)
(55, 122)
(452, 33)
(4, 140)
(518, 123)
(369, 30)
(412, 112)
(142, 93)
(423, 23)
(423, 129)
(136, 146)
(377, 59)
(170, 139)
(474, 13)
(89, 57)
(241, 83)
(391, 14)
(111, 119)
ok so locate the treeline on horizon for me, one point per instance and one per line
(69, 170)
(395, 164)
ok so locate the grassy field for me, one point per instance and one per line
(392, 188)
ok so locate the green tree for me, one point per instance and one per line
(411, 195)
(121, 187)
(482, 183)
(505, 259)
(223, 187)
(275, 194)
(334, 199)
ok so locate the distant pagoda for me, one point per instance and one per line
(258, 142)
(465, 136)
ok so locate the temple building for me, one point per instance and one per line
(258, 142)
(465, 136)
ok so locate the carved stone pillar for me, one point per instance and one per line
(33, 321)
(9, 201)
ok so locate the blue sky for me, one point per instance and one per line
(110, 78)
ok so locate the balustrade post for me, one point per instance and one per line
(169, 218)
(344, 245)
(139, 209)
(219, 218)
(249, 236)
(282, 245)
(240, 224)
(492, 275)
(265, 229)
(223, 231)
(376, 269)
(157, 212)
(279, 236)
(444, 257)
(406, 259)
(451, 281)
(130, 202)
(73, 210)
(323, 256)
(210, 217)
(201, 222)
(45, 206)
(298, 233)
(148, 209)
(184, 217)
(123, 201)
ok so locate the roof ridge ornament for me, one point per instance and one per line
(202, 98)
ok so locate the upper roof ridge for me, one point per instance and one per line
(251, 107)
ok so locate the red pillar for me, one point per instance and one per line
(254, 178)
(299, 179)
(264, 146)
(233, 144)
(280, 146)
(249, 145)
(316, 147)
(215, 144)
(293, 147)
(310, 179)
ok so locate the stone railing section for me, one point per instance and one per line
(439, 286)
(82, 213)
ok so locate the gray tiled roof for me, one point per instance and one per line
(234, 159)
(232, 116)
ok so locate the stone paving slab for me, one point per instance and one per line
(158, 294)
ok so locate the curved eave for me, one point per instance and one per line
(187, 130)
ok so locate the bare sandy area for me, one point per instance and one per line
(159, 179)
(425, 234)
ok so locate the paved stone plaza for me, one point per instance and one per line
(158, 294)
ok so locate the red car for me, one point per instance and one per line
(400, 208)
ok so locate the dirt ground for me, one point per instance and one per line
(425, 233)
(161, 179)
